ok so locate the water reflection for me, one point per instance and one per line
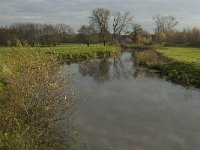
(102, 70)
(98, 69)
(144, 72)
(134, 109)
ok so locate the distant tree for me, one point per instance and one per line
(100, 20)
(162, 36)
(121, 22)
(159, 22)
(164, 23)
(170, 23)
(86, 32)
(7, 38)
(66, 33)
(136, 34)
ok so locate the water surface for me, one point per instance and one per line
(125, 108)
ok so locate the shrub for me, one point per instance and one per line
(37, 101)
(147, 58)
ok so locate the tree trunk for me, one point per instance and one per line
(88, 44)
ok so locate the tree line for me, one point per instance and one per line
(103, 27)
(165, 32)
(36, 34)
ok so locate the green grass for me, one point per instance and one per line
(76, 52)
(182, 54)
(73, 49)
(182, 65)
(68, 52)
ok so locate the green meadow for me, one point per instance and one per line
(182, 64)
(70, 52)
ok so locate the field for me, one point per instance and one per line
(182, 64)
(183, 54)
(78, 52)
(179, 64)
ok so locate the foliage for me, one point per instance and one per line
(36, 34)
(136, 34)
(148, 58)
(36, 102)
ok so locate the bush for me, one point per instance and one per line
(148, 58)
(36, 102)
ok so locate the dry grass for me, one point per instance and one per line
(37, 101)
(147, 58)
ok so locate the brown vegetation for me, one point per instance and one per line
(148, 58)
(37, 102)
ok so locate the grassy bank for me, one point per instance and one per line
(35, 101)
(182, 65)
(77, 52)
(67, 52)
(179, 64)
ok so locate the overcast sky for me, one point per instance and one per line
(76, 12)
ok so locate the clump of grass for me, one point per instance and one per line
(182, 73)
(36, 102)
(148, 58)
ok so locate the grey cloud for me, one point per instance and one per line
(76, 12)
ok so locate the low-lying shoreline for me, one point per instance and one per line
(66, 53)
(33, 94)
(180, 65)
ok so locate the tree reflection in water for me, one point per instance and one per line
(98, 69)
(102, 70)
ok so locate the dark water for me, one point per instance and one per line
(132, 109)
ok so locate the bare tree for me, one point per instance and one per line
(159, 22)
(170, 23)
(164, 23)
(121, 23)
(100, 19)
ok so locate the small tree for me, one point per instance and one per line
(136, 34)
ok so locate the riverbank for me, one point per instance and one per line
(78, 52)
(36, 98)
(35, 102)
(179, 64)
(66, 52)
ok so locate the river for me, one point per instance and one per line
(122, 107)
